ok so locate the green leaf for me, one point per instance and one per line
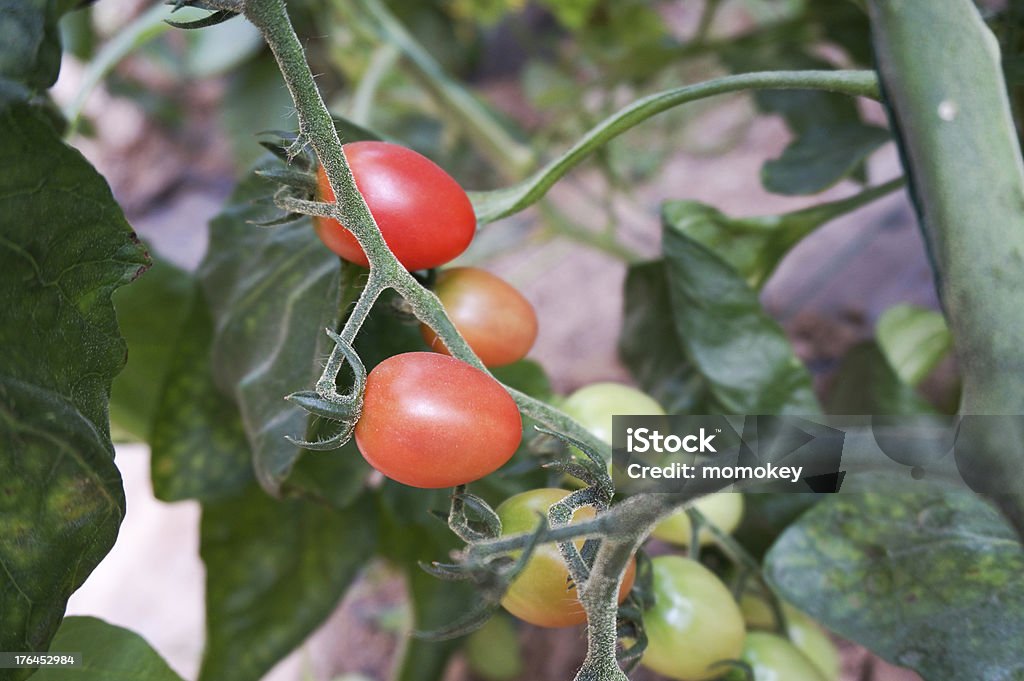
(410, 534)
(272, 292)
(866, 384)
(526, 376)
(151, 314)
(741, 353)
(650, 346)
(831, 142)
(820, 157)
(64, 248)
(929, 579)
(274, 571)
(30, 41)
(766, 515)
(499, 203)
(256, 100)
(109, 653)
(198, 444)
(61, 503)
(914, 339)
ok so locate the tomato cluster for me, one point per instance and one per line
(433, 421)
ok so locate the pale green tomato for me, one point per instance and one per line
(773, 658)
(594, 405)
(803, 631)
(693, 624)
(723, 509)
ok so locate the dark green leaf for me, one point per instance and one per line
(831, 140)
(272, 292)
(109, 653)
(766, 515)
(61, 503)
(410, 534)
(256, 100)
(929, 579)
(64, 248)
(198, 444)
(914, 339)
(867, 384)
(525, 376)
(30, 41)
(151, 314)
(820, 157)
(650, 346)
(274, 571)
(741, 353)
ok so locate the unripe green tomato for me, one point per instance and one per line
(541, 594)
(593, 406)
(773, 658)
(722, 509)
(493, 652)
(803, 631)
(693, 624)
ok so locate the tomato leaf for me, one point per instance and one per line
(64, 248)
(738, 350)
(198, 444)
(151, 313)
(651, 347)
(831, 142)
(274, 571)
(30, 48)
(885, 569)
(867, 384)
(914, 339)
(271, 292)
(109, 653)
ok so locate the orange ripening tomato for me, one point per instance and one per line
(541, 593)
(425, 217)
(499, 324)
(433, 421)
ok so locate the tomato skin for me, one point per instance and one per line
(773, 658)
(724, 509)
(805, 633)
(593, 406)
(539, 594)
(499, 324)
(693, 624)
(432, 421)
(424, 215)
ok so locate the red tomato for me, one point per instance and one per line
(423, 214)
(433, 421)
(495, 319)
(540, 593)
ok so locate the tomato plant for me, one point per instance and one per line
(433, 421)
(694, 623)
(423, 214)
(499, 324)
(232, 358)
(542, 594)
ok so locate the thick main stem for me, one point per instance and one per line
(941, 75)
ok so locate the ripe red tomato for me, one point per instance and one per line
(495, 319)
(540, 593)
(423, 214)
(432, 421)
